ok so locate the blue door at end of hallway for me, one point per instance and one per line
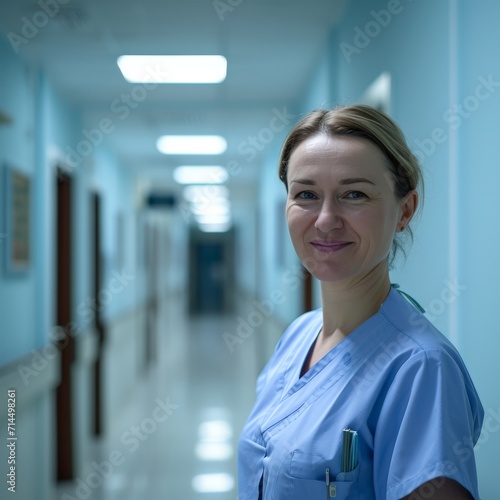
(210, 267)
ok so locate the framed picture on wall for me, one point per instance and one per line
(17, 227)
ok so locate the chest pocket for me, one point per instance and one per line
(303, 477)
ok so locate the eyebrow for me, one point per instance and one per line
(343, 182)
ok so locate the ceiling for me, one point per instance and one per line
(272, 47)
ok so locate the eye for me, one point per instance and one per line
(306, 195)
(355, 195)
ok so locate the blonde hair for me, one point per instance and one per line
(367, 123)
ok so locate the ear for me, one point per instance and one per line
(408, 207)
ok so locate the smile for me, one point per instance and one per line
(329, 246)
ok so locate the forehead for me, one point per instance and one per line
(338, 152)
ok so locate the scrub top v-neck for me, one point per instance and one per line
(395, 380)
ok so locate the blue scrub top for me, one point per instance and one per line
(395, 380)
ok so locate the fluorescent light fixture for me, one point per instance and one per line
(212, 219)
(203, 194)
(173, 69)
(215, 430)
(215, 228)
(200, 175)
(209, 451)
(215, 435)
(191, 145)
(213, 483)
(210, 208)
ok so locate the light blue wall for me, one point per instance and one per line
(56, 125)
(41, 122)
(322, 86)
(17, 143)
(479, 238)
(280, 269)
(116, 186)
(246, 241)
(44, 125)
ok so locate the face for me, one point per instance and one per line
(341, 209)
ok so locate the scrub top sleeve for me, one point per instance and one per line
(429, 421)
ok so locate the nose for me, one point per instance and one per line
(329, 218)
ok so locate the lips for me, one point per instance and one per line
(330, 246)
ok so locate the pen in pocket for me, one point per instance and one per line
(331, 489)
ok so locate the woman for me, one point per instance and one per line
(362, 398)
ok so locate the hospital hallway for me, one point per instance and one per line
(187, 449)
(146, 266)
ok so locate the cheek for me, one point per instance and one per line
(382, 228)
(292, 227)
(296, 221)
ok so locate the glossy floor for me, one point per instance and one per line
(176, 437)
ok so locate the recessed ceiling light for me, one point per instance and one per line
(213, 219)
(200, 175)
(212, 193)
(213, 483)
(208, 451)
(215, 228)
(191, 144)
(215, 430)
(173, 69)
(211, 209)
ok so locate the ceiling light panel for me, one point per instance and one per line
(215, 228)
(207, 194)
(213, 483)
(213, 219)
(200, 175)
(191, 145)
(173, 69)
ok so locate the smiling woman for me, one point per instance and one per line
(326, 417)
(402, 173)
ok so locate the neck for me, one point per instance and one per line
(349, 303)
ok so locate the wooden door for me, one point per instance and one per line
(65, 465)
